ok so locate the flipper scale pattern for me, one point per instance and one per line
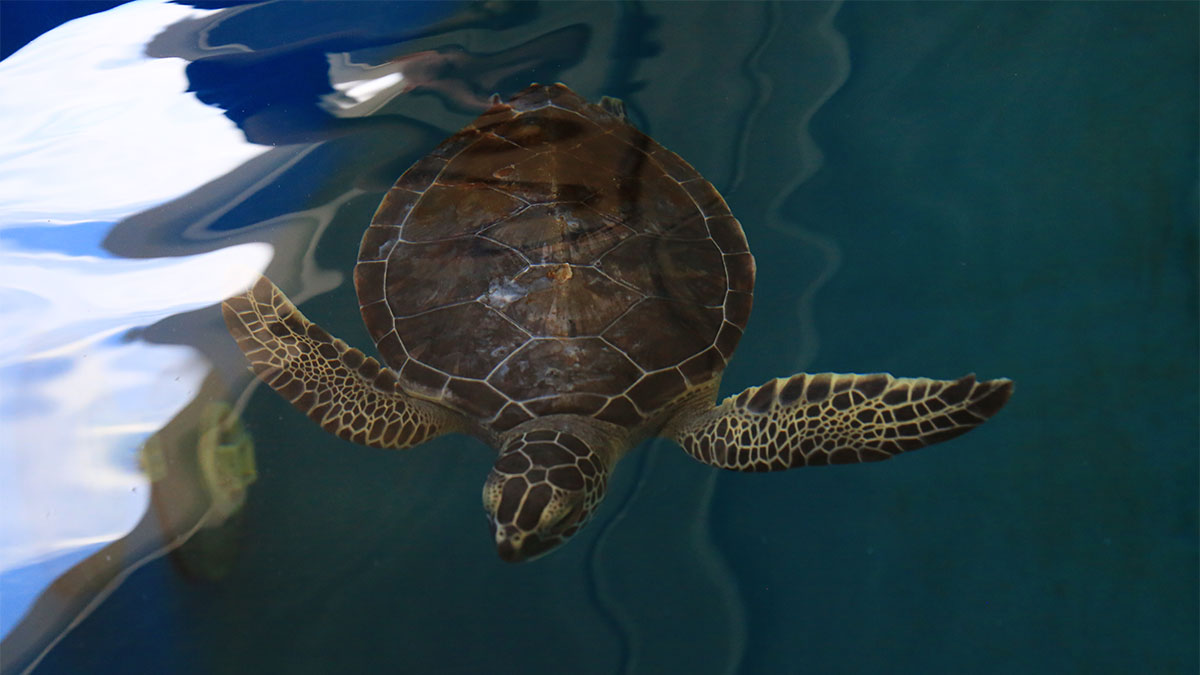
(829, 418)
(347, 393)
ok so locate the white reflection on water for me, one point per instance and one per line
(92, 131)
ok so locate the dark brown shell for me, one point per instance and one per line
(551, 258)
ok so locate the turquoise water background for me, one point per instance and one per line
(930, 189)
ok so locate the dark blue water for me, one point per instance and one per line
(930, 189)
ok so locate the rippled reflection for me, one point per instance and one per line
(94, 132)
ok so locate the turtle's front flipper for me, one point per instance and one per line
(808, 420)
(347, 393)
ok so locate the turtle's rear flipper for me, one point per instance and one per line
(809, 420)
(347, 393)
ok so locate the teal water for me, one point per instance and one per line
(930, 189)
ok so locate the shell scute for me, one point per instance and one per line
(666, 384)
(728, 338)
(546, 308)
(620, 410)
(737, 307)
(661, 206)
(726, 231)
(684, 272)
(739, 267)
(483, 399)
(369, 276)
(700, 367)
(672, 164)
(421, 175)
(551, 125)
(561, 366)
(612, 153)
(448, 339)
(423, 376)
(454, 210)
(450, 147)
(579, 404)
(649, 348)
(549, 233)
(377, 243)
(512, 415)
(392, 212)
(706, 197)
(425, 276)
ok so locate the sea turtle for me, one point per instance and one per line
(555, 283)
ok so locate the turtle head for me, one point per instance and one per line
(544, 487)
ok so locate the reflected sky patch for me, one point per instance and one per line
(92, 132)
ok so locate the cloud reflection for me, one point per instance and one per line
(92, 132)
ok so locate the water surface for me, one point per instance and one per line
(929, 188)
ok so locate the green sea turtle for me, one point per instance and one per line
(555, 283)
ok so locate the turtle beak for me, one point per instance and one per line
(515, 546)
(508, 552)
(509, 544)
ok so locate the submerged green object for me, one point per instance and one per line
(225, 454)
(554, 282)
